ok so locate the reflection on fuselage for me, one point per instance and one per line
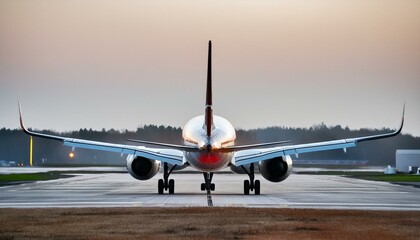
(222, 135)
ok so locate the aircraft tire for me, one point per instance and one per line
(160, 186)
(171, 186)
(246, 187)
(257, 187)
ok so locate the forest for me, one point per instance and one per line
(14, 144)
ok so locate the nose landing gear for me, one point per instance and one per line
(207, 185)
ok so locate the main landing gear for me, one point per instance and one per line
(251, 184)
(207, 185)
(165, 184)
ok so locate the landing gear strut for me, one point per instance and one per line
(207, 185)
(251, 184)
(166, 183)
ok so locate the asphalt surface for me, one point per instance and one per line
(298, 191)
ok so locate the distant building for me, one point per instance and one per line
(404, 158)
(390, 170)
(4, 163)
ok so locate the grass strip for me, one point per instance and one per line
(17, 177)
(389, 178)
(373, 176)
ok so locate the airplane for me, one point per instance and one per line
(209, 146)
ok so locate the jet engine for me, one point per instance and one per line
(142, 168)
(276, 169)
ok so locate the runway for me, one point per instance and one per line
(298, 191)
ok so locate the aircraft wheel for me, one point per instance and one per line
(212, 187)
(160, 186)
(257, 187)
(203, 187)
(171, 186)
(246, 187)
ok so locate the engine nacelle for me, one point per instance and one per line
(142, 168)
(276, 169)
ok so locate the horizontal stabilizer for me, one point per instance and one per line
(173, 146)
(251, 146)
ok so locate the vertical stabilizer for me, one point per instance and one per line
(208, 119)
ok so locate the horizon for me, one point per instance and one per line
(143, 126)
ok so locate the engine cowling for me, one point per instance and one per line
(142, 168)
(276, 169)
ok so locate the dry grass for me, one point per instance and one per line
(206, 223)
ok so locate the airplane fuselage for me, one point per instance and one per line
(222, 135)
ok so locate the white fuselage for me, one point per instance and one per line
(222, 135)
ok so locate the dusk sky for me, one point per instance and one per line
(122, 64)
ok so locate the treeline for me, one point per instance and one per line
(14, 144)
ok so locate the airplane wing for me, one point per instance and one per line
(255, 155)
(171, 156)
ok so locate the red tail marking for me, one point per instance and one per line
(209, 158)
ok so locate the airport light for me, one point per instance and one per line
(30, 151)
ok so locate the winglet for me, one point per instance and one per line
(25, 130)
(386, 135)
(22, 126)
(402, 119)
(402, 122)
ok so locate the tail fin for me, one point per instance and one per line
(208, 119)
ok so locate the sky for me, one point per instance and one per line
(122, 64)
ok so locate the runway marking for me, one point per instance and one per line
(372, 206)
(209, 199)
(117, 190)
